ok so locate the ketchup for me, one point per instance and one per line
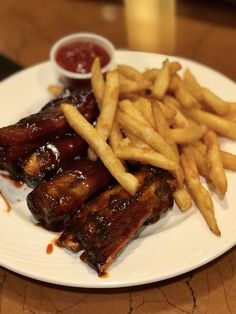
(78, 56)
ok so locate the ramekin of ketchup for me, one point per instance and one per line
(73, 55)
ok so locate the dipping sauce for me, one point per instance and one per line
(78, 56)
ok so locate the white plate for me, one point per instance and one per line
(176, 244)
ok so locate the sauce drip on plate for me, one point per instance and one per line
(78, 56)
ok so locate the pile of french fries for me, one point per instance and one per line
(160, 118)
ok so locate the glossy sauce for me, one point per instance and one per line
(78, 56)
(49, 249)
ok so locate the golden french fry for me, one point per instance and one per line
(130, 86)
(175, 83)
(215, 103)
(228, 160)
(163, 129)
(108, 108)
(189, 78)
(232, 106)
(175, 67)
(191, 84)
(100, 147)
(145, 156)
(182, 199)
(97, 81)
(116, 136)
(55, 90)
(214, 122)
(146, 133)
(131, 138)
(144, 106)
(130, 72)
(214, 162)
(129, 108)
(169, 112)
(109, 104)
(171, 101)
(231, 116)
(151, 74)
(161, 83)
(200, 194)
(185, 98)
(200, 146)
(200, 160)
(189, 134)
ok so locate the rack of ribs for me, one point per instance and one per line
(52, 202)
(103, 226)
(49, 124)
(51, 157)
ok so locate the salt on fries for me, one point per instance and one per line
(161, 118)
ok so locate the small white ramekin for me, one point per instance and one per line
(97, 39)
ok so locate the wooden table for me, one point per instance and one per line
(199, 31)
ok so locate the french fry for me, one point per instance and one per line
(182, 199)
(189, 134)
(136, 141)
(116, 136)
(185, 98)
(214, 162)
(214, 122)
(55, 90)
(200, 160)
(97, 81)
(174, 84)
(130, 86)
(129, 108)
(151, 74)
(144, 106)
(228, 159)
(108, 108)
(169, 112)
(231, 116)
(109, 104)
(215, 103)
(161, 83)
(163, 129)
(200, 146)
(174, 67)
(146, 133)
(145, 156)
(189, 78)
(200, 194)
(130, 72)
(100, 147)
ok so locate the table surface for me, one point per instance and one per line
(204, 31)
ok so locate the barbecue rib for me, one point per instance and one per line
(37, 129)
(104, 225)
(49, 158)
(52, 202)
(50, 120)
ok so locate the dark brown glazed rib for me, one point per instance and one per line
(103, 226)
(52, 202)
(47, 159)
(22, 138)
(50, 120)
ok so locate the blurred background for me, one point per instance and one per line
(196, 29)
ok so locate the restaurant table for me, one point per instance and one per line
(203, 31)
